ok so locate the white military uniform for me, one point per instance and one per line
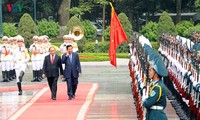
(21, 58)
(34, 57)
(5, 59)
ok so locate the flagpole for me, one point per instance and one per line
(1, 25)
(111, 5)
(34, 4)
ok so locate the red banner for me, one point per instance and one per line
(117, 36)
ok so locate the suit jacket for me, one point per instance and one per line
(71, 68)
(52, 70)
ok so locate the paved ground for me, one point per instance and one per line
(113, 99)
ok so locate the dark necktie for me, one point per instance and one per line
(52, 59)
(70, 58)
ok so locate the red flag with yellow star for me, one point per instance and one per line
(117, 36)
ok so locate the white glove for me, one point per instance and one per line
(144, 97)
(61, 77)
(79, 74)
(141, 85)
(43, 76)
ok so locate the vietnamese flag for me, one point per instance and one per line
(117, 36)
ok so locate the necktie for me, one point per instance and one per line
(52, 59)
(70, 57)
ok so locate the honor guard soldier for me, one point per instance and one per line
(12, 48)
(67, 41)
(41, 58)
(34, 49)
(5, 59)
(46, 45)
(74, 45)
(45, 51)
(21, 57)
(155, 101)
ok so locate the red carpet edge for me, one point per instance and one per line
(28, 104)
(81, 113)
(85, 107)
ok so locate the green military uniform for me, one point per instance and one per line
(156, 101)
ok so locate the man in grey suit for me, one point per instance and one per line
(51, 66)
(72, 70)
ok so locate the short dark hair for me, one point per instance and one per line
(68, 46)
(52, 47)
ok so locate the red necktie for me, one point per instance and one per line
(52, 59)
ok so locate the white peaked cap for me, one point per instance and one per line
(69, 36)
(4, 38)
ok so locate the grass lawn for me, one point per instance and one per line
(89, 57)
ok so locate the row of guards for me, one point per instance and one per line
(38, 50)
(181, 57)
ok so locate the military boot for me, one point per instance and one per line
(38, 76)
(21, 75)
(19, 85)
(6, 77)
(34, 76)
(3, 76)
(10, 75)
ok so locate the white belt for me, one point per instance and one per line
(157, 107)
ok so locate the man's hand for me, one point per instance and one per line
(79, 74)
(43, 76)
(67, 53)
(61, 77)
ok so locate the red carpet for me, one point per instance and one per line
(41, 107)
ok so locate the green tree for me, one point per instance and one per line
(9, 30)
(150, 30)
(89, 30)
(74, 21)
(183, 26)
(188, 32)
(64, 11)
(27, 28)
(166, 25)
(49, 28)
(106, 33)
(197, 5)
(81, 9)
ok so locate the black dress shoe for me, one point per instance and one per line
(20, 92)
(69, 98)
(53, 98)
(73, 96)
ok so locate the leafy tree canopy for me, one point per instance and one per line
(9, 30)
(150, 31)
(183, 26)
(27, 28)
(74, 21)
(165, 24)
(49, 28)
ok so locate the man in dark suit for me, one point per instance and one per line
(51, 66)
(72, 70)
